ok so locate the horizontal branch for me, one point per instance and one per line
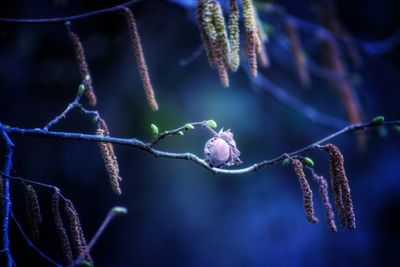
(148, 147)
(60, 20)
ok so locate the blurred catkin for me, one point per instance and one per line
(298, 52)
(59, 225)
(83, 66)
(140, 59)
(307, 193)
(33, 210)
(262, 39)
(340, 187)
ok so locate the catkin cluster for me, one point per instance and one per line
(222, 43)
(340, 190)
(340, 187)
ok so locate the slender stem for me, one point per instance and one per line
(295, 104)
(61, 20)
(187, 156)
(110, 216)
(31, 181)
(69, 108)
(6, 195)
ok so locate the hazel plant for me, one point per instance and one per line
(222, 46)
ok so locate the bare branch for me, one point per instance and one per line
(148, 147)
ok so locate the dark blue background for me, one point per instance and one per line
(180, 214)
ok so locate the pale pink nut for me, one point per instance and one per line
(221, 150)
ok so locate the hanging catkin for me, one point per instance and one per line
(110, 159)
(252, 38)
(78, 238)
(83, 66)
(340, 187)
(33, 211)
(307, 193)
(140, 59)
(59, 225)
(234, 36)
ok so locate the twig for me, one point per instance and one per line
(295, 104)
(115, 211)
(186, 156)
(31, 181)
(61, 20)
(64, 114)
(192, 57)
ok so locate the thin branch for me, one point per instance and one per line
(148, 147)
(61, 20)
(31, 181)
(30, 243)
(6, 195)
(64, 114)
(295, 104)
(114, 212)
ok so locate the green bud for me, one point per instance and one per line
(189, 126)
(378, 120)
(86, 263)
(119, 210)
(180, 133)
(308, 161)
(212, 123)
(285, 162)
(154, 129)
(81, 89)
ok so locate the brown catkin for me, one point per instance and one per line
(222, 35)
(252, 37)
(234, 35)
(78, 239)
(341, 188)
(203, 35)
(262, 39)
(298, 52)
(307, 193)
(33, 210)
(333, 62)
(140, 59)
(323, 190)
(83, 67)
(59, 225)
(208, 33)
(110, 159)
(329, 19)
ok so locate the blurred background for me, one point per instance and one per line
(179, 213)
